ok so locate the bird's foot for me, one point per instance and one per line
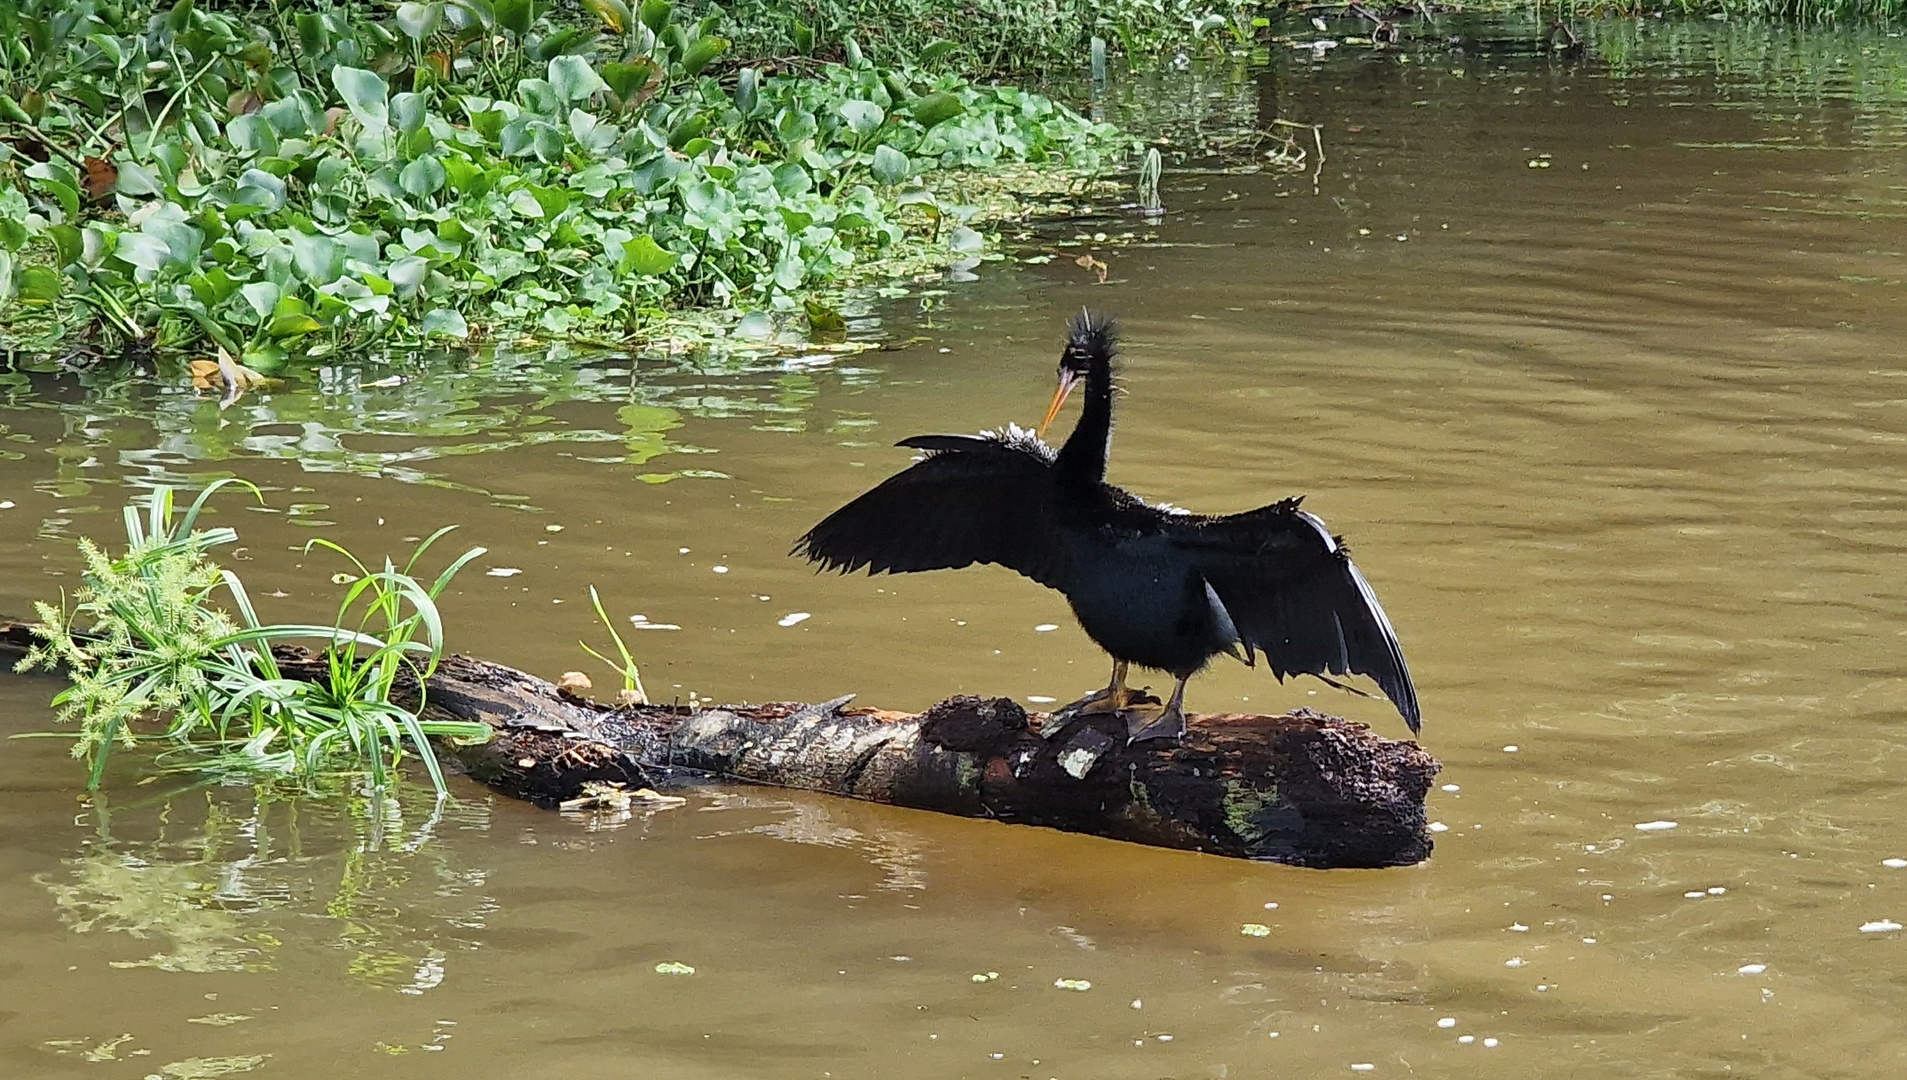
(1143, 724)
(1106, 700)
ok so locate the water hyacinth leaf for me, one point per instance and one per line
(655, 14)
(635, 82)
(261, 189)
(935, 50)
(407, 274)
(475, 13)
(365, 94)
(445, 322)
(292, 325)
(936, 108)
(523, 203)
(422, 177)
(644, 256)
(614, 13)
(68, 245)
(261, 296)
(36, 282)
(701, 53)
(862, 117)
(791, 180)
(966, 241)
(419, 21)
(408, 112)
(747, 90)
(143, 251)
(573, 79)
(254, 133)
(515, 16)
(890, 166)
(317, 257)
(823, 318)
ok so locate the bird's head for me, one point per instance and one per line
(1090, 340)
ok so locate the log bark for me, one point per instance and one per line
(1303, 789)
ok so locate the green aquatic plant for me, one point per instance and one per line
(144, 639)
(632, 691)
(317, 181)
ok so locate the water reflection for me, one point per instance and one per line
(216, 882)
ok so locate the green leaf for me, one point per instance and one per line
(419, 21)
(646, 257)
(934, 50)
(317, 257)
(515, 16)
(615, 14)
(422, 177)
(936, 108)
(408, 273)
(39, 283)
(408, 112)
(701, 53)
(890, 166)
(862, 117)
(261, 296)
(365, 94)
(747, 90)
(180, 16)
(284, 326)
(822, 318)
(143, 251)
(655, 14)
(445, 322)
(574, 79)
(634, 82)
(261, 189)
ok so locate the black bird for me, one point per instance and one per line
(1154, 586)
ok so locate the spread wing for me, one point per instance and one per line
(1293, 593)
(984, 498)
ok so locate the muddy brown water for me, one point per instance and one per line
(1611, 400)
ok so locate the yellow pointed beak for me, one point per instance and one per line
(1066, 381)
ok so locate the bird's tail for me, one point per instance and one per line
(1092, 335)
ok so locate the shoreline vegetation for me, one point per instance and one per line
(274, 181)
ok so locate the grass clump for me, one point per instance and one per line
(296, 182)
(144, 640)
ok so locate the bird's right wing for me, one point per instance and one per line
(971, 498)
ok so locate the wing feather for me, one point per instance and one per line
(1294, 594)
(985, 498)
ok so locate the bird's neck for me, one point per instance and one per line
(1082, 461)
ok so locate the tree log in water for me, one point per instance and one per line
(1303, 789)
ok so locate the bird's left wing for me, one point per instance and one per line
(984, 498)
(1292, 592)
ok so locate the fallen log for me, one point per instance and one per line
(1303, 789)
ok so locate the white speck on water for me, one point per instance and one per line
(503, 571)
(1271, 1035)
(1751, 969)
(1451, 787)
(1510, 749)
(1894, 864)
(1138, 1004)
(1438, 826)
(1880, 926)
(1519, 928)
(1447, 1022)
(670, 967)
(997, 1057)
(1040, 699)
(1253, 929)
(1271, 906)
(1045, 627)
(681, 551)
(1515, 962)
(1072, 984)
(1542, 987)
(1589, 941)
(900, 959)
(1716, 890)
(1491, 1043)
(546, 528)
(1656, 826)
(1466, 1039)
(719, 569)
(792, 618)
(1698, 895)
(1363, 1066)
(6, 504)
(1607, 897)
(1163, 1038)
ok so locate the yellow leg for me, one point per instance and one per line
(1114, 697)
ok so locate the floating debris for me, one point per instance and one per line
(1363, 1066)
(1451, 787)
(1254, 929)
(793, 618)
(503, 571)
(1515, 962)
(1880, 926)
(1045, 628)
(1656, 826)
(1511, 749)
(1751, 969)
(670, 967)
(986, 977)
(1491, 1043)
(1438, 826)
(1894, 864)
(1083, 984)
(1447, 1022)
(1466, 1039)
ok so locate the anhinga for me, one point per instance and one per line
(1154, 586)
